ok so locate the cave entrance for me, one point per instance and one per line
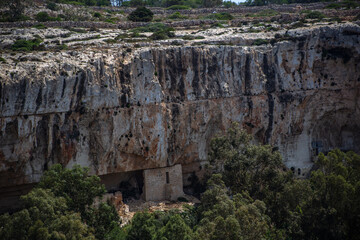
(339, 129)
(130, 184)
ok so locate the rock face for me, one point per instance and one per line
(116, 111)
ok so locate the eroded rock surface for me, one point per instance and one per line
(116, 111)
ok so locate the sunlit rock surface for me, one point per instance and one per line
(115, 110)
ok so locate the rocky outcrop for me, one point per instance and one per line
(117, 111)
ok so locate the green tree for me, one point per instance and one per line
(211, 3)
(136, 3)
(143, 226)
(333, 212)
(141, 14)
(44, 216)
(215, 201)
(15, 8)
(75, 185)
(247, 167)
(175, 229)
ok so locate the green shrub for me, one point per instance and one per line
(178, 7)
(27, 45)
(344, 4)
(161, 35)
(177, 15)
(112, 20)
(52, 6)
(44, 17)
(40, 26)
(217, 25)
(264, 13)
(315, 15)
(220, 16)
(260, 41)
(154, 27)
(2, 60)
(192, 37)
(141, 14)
(97, 15)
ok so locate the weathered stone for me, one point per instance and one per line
(159, 106)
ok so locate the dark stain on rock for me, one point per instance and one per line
(20, 101)
(247, 75)
(42, 137)
(286, 98)
(271, 119)
(196, 79)
(340, 52)
(63, 88)
(39, 98)
(269, 72)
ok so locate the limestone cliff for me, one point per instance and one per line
(116, 111)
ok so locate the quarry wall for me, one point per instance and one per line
(118, 111)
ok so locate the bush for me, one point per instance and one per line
(97, 14)
(220, 16)
(136, 3)
(177, 15)
(39, 26)
(44, 17)
(154, 27)
(315, 15)
(141, 14)
(260, 41)
(27, 45)
(178, 7)
(161, 35)
(52, 6)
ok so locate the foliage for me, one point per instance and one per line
(52, 6)
(143, 226)
(260, 41)
(60, 207)
(333, 211)
(175, 229)
(40, 26)
(220, 16)
(75, 185)
(86, 2)
(345, 4)
(141, 14)
(162, 34)
(27, 45)
(136, 3)
(97, 15)
(154, 27)
(44, 216)
(15, 9)
(225, 218)
(177, 15)
(103, 219)
(178, 7)
(229, 4)
(44, 17)
(315, 15)
(211, 3)
(160, 31)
